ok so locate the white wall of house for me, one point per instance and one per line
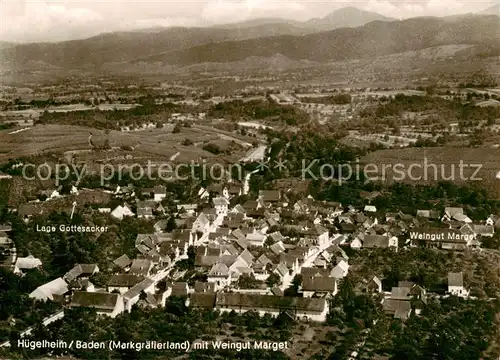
(119, 308)
(301, 315)
(458, 291)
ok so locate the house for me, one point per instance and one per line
(180, 289)
(221, 205)
(455, 213)
(123, 262)
(319, 286)
(400, 309)
(217, 190)
(256, 238)
(81, 285)
(141, 267)
(132, 296)
(121, 211)
(160, 193)
(379, 241)
(203, 193)
(428, 214)
(235, 190)
(456, 284)
(145, 213)
(207, 256)
(123, 282)
(390, 217)
(189, 208)
(50, 291)
(104, 303)
(84, 270)
(204, 287)
(277, 248)
(374, 285)
(270, 196)
(340, 270)
(220, 275)
(26, 263)
(302, 308)
(27, 211)
(202, 301)
(320, 236)
(484, 230)
(493, 220)
(201, 224)
(370, 208)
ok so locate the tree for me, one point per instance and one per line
(177, 129)
(171, 225)
(272, 280)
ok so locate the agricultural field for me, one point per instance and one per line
(443, 164)
(85, 144)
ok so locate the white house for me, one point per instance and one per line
(456, 284)
(300, 308)
(340, 270)
(26, 263)
(370, 208)
(56, 287)
(104, 303)
(132, 296)
(455, 213)
(220, 275)
(160, 193)
(201, 224)
(122, 283)
(221, 205)
(121, 211)
(256, 238)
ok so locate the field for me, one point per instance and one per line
(443, 164)
(149, 144)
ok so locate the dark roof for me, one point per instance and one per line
(372, 241)
(124, 280)
(202, 300)
(123, 261)
(400, 308)
(270, 195)
(319, 283)
(180, 289)
(455, 279)
(96, 300)
(204, 287)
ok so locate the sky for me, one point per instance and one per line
(59, 20)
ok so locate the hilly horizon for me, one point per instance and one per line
(374, 39)
(493, 10)
(179, 46)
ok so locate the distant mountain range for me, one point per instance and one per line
(344, 17)
(356, 34)
(494, 10)
(374, 39)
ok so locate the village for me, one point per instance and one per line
(246, 256)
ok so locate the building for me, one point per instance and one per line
(50, 291)
(122, 283)
(160, 193)
(221, 205)
(121, 211)
(456, 284)
(302, 308)
(104, 303)
(26, 263)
